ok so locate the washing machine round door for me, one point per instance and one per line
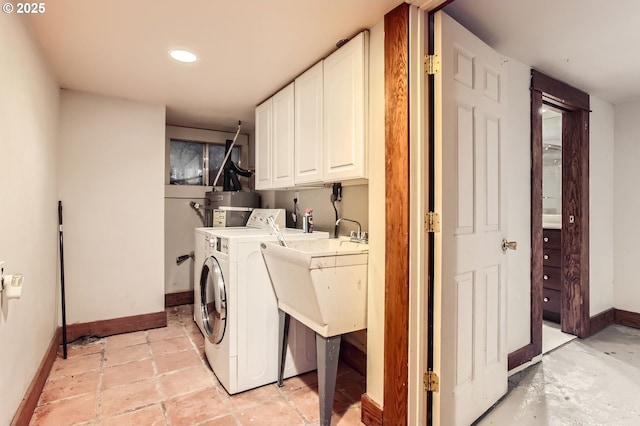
(213, 304)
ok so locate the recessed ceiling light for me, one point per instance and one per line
(183, 55)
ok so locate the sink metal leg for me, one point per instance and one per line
(283, 336)
(328, 351)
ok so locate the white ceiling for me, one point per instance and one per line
(589, 44)
(248, 49)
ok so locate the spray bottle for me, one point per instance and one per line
(307, 223)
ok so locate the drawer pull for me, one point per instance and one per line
(546, 257)
(546, 299)
(546, 239)
(546, 277)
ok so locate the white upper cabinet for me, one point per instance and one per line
(315, 129)
(275, 140)
(283, 142)
(264, 140)
(345, 110)
(309, 165)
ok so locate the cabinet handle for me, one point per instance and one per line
(546, 239)
(546, 277)
(546, 257)
(546, 299)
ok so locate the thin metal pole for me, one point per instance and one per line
(64, 311)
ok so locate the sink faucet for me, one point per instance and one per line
(356, 236)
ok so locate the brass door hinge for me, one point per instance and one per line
(432, 222)
(432, 64)
(431, 382)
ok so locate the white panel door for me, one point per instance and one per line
(264, 140)
(470, 354)
(309, 126)
(283, 138)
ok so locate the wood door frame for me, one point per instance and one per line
(397, 191)
(575, 317)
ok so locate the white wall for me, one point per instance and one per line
(377, 218)
(29, 99)
(111, 170)
(601, 205)
(517, 166)
(180, 219)
(626, 205)
(354, 204)
(517, 148)
(517, 152)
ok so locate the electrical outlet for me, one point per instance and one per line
(337, 191)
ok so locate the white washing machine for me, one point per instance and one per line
(240, 311)
(203, 248)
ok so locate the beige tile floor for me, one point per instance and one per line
(161, 377)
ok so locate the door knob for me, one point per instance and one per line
(506, 245)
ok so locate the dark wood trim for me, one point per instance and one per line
(574, 309)
(110, 327)
(601, 321)
(560, 92)
(396, 332)
(178, 298)
(630, 319)
(353, 357)
(30, 400)
(536, 224)
(575, 317)
(372, 413)
(522, 355)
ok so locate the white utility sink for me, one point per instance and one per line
(321, 283)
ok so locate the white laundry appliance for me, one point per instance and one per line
(239, 308)
(203, 248)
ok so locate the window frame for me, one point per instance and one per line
(206, 137)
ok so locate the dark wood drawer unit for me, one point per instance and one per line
(551, 305)
(551, 238)
(551, 274)
(551, 257)
(551, 278)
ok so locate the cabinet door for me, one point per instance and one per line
(309, 126)
(345, 106)
(264, 140)
(283, 138)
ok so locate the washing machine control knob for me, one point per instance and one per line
(212, 242)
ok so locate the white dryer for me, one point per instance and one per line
(239, 310)
(203, 248)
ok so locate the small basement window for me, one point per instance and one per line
(197, 163)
